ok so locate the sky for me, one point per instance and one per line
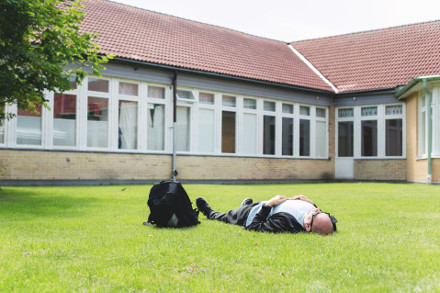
(294, 20)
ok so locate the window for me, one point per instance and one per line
(64, 120)
(304, 132)
(228, 124)
(183, 129)
(287, 147)
(321, 133)
(2, 129)
(393, 131)
(381, 131)
(269, 106)
(206, 130)
(128, 125)
(369, 138)
(304, 137)
(249, 134)
(29, 127)
(393, 137)
(228, 132)
(249, 104)
(422, 151)
(369, 132)
(207, 99)
(156, 92)
(345, 139)
(129, 89)
(97, 122)
(229, 101)
(155, 127)
(287, 135)
(269, 135)
(98, 85)
(185, 95)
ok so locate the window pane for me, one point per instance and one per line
(343, 113)
(228, 101)
(368, 111)
(345, 139)
(155, 127)
(206, 130)
(269, 135)
(73, 83)
(287, 136)
(393, 137)
(304, 111)
(320, 112)
(205, 98)
(393, 109)
(269, 106)
(128, 125)
(228, 132)
(97, 122)
(29, 127)
(156, 92)
(422, 133)
(2, 132)
(321, 139)
(250, 104)
(249, 134)
(288, 108)
(98, 85)
(369, 138)
(187, 95)
(183, 127)
(64, 120)
(304, 137)
(130, 89)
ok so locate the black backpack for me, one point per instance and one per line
(170, 206)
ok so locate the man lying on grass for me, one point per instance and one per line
(279, 214)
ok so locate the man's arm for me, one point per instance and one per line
(303, 198)
(278, 222)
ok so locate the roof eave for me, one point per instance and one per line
(406, 90)
(220, 75)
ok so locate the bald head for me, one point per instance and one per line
(322, 224)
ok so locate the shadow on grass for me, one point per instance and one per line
(24, 203)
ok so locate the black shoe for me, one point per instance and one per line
(203, 206)
(246, 201)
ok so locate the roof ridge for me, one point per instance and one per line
(313, 68)
(367, 31)
(191, 20)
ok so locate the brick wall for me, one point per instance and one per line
(384, 170)
(417, 169)
(53, 165)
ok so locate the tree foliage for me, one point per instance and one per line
(41, 48)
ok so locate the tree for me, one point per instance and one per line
(41, 48)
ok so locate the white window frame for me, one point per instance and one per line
(290, 116)
(213, 108)
(380, 118)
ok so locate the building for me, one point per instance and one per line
(349, 107)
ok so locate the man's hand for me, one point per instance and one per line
(303, 198)
(273, 202)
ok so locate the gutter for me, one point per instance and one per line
(174, 171)
(429, 114)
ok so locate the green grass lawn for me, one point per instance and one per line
(57, 239)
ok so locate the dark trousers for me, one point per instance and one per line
(235, 217)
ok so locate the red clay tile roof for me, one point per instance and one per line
(142, 35)
(376, 59)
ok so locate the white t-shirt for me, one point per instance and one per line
(297, 208)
